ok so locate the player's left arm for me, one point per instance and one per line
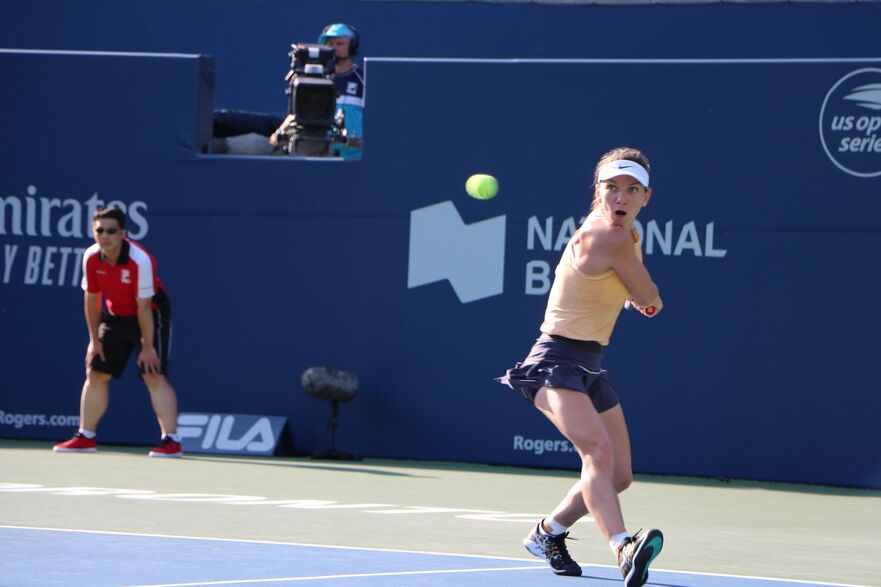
(147, 358)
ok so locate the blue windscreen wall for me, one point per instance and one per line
(250, 40)
(762, 235)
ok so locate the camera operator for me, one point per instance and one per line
(240, 132)
(349, 82)
(348, 79)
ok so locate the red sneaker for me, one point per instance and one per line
(78, 443)
(167, 448)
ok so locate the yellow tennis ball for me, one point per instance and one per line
(482, 186)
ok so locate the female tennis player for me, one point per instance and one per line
(600, 269)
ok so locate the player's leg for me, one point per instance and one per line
(637, 551)
(574, 415)
(572, 508)
(616, 428)
(547, 540)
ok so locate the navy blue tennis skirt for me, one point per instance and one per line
(557, 361)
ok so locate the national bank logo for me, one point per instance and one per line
(850, 123)
(471, 257)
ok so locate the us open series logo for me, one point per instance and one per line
(850, 123)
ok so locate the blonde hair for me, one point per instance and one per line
(618, 154)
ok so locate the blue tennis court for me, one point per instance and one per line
(111, 559)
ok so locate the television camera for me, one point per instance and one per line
(313, 123)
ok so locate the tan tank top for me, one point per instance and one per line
(582, 306)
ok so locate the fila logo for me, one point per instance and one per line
(230, 433)
(471, 257)
(352, 88)
(125, 276)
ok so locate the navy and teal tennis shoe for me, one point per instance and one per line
(636, 555)
(553, 550)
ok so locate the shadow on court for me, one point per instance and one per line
(308, 465)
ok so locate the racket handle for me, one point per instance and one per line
(650, 311)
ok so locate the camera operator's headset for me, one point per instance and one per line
(341, 29)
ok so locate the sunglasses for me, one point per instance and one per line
(102, 230)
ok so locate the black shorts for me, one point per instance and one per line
(121, 335)
(556, 361)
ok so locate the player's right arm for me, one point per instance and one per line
(92, 307)
(622, 257)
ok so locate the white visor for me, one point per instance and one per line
(624, 167)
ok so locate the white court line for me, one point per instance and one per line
(364, 548)
(351, 576)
